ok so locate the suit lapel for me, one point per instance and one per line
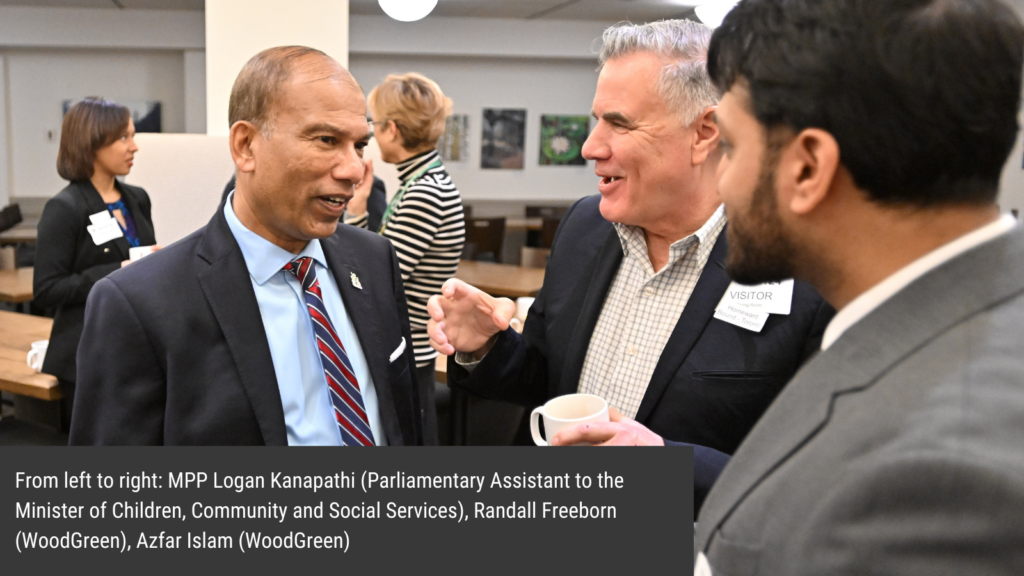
(798, 413)
(699, 310)
(359, 303)
(143, 228)
(921, 312)
(593, 292)
(225, 282)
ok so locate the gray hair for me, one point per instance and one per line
(684, 83)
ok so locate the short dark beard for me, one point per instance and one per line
(759, 249)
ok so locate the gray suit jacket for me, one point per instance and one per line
(900, 449)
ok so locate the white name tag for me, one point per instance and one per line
(702, 568)
(752, 320)
(773, 297)
(100, 217)
(103, 228)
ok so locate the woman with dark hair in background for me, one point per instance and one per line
(87, 229)
(424, 219)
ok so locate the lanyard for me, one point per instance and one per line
(397, 198)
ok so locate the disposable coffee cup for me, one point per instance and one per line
(566, 411)
(37, 355)
(138, 253)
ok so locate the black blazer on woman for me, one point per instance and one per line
(68, 262)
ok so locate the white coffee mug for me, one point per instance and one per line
(523, 306)
(37, 354)
(566, 411)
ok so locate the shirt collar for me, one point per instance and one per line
(263, 258)
(634, 240)
(406, 168)
(875, 296)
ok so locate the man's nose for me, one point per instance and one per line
(595, 148)
(349, 167)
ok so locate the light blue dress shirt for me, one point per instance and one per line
(308, 412)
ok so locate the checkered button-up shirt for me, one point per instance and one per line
(640, 312)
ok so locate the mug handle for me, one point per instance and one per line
(535, 426)
(33, 355)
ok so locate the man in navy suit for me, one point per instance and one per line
(628, 307)
(272, 324)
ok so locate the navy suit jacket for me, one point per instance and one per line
(714, 379)
(178, 354)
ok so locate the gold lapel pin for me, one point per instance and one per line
(355, 281)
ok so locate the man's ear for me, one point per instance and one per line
(807, 168)
(706, 136)
(241, 140)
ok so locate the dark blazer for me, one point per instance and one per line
(68, 262)
(376, 204)
(898, 449)
(713, 381)
(180, 355)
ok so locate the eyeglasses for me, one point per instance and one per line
(373, 124)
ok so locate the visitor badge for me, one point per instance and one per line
(771, 297)
(741, 316)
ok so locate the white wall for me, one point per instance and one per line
(40, 80)
(1012, 189)
(195, 91)
(541, 86)
(238, 29)
(476, 37)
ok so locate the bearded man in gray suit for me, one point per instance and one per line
(864, 142)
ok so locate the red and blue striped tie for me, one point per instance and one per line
(349, 411)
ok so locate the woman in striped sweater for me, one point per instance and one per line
(424, 219)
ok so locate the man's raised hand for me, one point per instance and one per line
(465, 319)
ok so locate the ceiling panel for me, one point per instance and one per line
(600, 10)
(112, 4)
(60, 3)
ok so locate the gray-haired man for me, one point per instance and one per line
(636, 273)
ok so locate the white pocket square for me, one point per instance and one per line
(398, 351)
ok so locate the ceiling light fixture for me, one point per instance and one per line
(407, 10)
(712, 12)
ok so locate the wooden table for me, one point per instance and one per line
(20, 234)
(16, 286)
(501, 279)
(17, 333)
(524, 223)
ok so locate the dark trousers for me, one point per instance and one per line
(67, 398)
(427, 382)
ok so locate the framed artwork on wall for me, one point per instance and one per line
(454, 142)
(145, 113)
(503, 139)
(562, 138)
